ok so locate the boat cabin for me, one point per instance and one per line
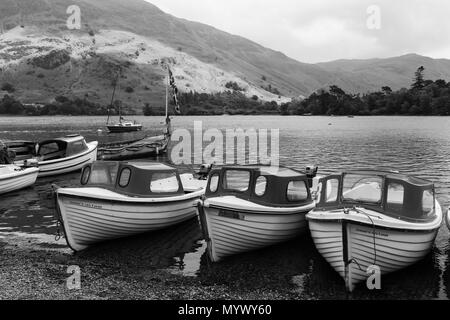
(399, 196)
(136, 179)
(264, 185)
(61, 148)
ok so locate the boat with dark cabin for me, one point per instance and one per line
(250, 207)
(366, 219)
(120, 199)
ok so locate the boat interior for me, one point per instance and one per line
(50, 149)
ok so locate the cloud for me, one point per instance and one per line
(322, 30)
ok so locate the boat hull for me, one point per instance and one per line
(229, 232)
(88, 220)
(121, 129)
(70, 164)
(353, 248)
(17, 180)
(146, 148)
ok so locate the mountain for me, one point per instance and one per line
(42, 58)
(395, 72)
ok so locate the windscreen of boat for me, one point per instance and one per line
(52, 150)
(101, 173)
(76, 147)
(236, 180)
(164, 182)
(362, 189)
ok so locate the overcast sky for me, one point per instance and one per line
(322, 30)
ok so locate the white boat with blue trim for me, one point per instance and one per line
(371, 220)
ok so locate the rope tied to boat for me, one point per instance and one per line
(59, 234)
(373, 236)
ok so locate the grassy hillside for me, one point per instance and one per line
(45, 59)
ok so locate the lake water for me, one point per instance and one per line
(414, 145)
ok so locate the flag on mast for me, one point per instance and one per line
(174, 91)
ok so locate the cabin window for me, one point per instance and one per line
(214, 183)
(85, 175)
(104, 173)
(332, 191)
(261, 186)
(124, 179)
(76, 147)
(297, 191)
(164, 182)
(395, 197)
(428, 202)
(236, 180)
(362, 188)
(48, 148)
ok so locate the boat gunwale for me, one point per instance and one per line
(135, 200)
(428, 226)
(287, 210)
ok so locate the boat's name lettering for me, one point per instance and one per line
(231, 215)
(377, 233)
(86, 205)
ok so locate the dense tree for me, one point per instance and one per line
(147, 110)
(418, 83)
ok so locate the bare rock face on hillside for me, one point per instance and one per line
(51, 60)
(43, 58)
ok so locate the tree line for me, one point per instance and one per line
(424, 97)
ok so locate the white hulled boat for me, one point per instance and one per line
(251, 207)
(120, 199)
(13, 177)
(367, 219)
(60, 156)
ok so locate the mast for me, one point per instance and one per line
(112, 98)
(167, 96)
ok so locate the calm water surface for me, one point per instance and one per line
(415, 145)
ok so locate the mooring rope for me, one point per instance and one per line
(373, 236)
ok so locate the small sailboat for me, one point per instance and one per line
(120, 199)
(57, 156)
(251, 207)
(123, 125)
(367, 219)
(14, 178)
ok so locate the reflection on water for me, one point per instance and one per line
(415, 145)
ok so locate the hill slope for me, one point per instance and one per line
(45, 59)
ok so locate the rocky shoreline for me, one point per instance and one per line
(31, 270)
